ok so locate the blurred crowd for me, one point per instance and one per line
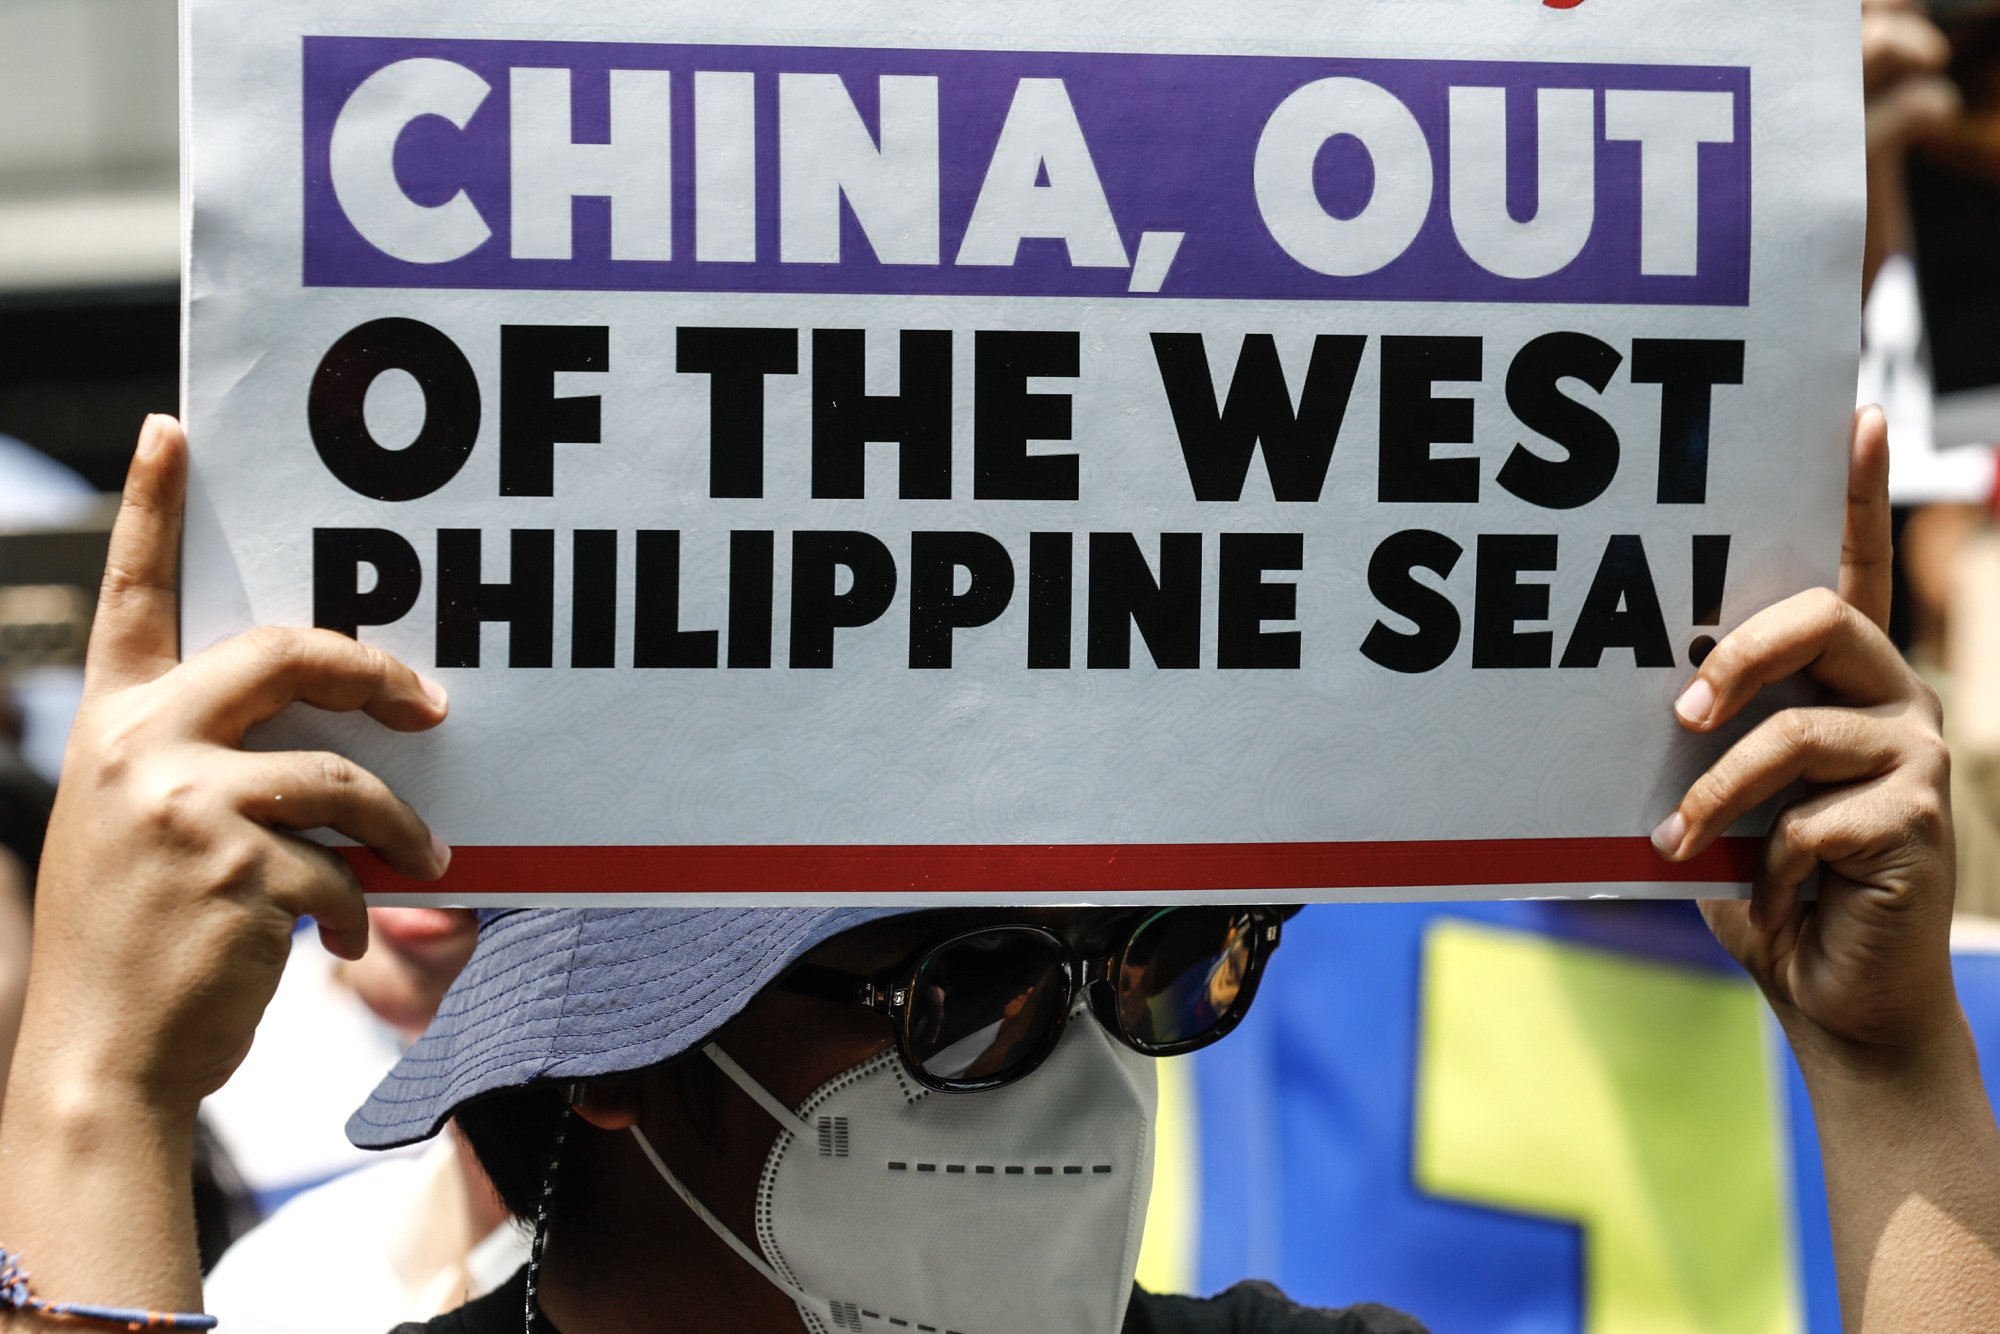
(1932, 80)
(421, 1231)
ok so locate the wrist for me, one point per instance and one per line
(1937, 1060)
(95, 1191)
(76, 1113)
(83, 1058)
(85, 1097)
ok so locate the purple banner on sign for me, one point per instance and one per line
(412, 183)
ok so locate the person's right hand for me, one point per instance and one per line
(174, 872)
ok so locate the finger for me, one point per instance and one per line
(303, 790)
(1798, 745)
(1729, 921)
(136, 634)
(1916, 109)
(1789, 859)
(1753, 937)
(1816, 632)
(246, 680)
(1897, 42)
(341, 943)
(1830, 827)
(1866, 547)
(1860, 840)
(307, 880)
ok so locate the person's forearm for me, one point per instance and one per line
(1912, 1162)
(96, 1189)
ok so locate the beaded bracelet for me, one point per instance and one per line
(14, 1292)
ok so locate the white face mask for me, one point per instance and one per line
(886, 1208)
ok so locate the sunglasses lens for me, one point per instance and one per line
(1183, 974)
(985, 1004)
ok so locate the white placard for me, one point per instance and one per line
(1070, 451)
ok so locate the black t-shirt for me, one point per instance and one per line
(1247, 1308)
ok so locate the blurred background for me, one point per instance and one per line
(89, 225)
(89, 290)
(1528, 1117)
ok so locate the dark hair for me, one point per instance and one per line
(512, 1133)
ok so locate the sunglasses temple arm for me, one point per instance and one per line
(830, 984)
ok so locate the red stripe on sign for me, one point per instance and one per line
(1166, 868)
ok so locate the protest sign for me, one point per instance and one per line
(1077, 451)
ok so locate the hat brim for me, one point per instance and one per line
(576, 993)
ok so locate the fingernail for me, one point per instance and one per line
(434, 693)
(1672, 832)
(440, 853)
(149, 435)
(1696, 702)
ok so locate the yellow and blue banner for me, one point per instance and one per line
(1525, 1118)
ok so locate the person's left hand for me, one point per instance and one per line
(1864, 968)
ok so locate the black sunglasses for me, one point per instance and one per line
(985, 1007)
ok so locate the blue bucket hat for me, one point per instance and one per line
(576, 993)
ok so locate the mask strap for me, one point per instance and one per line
(760, 1095)
(729, 1239)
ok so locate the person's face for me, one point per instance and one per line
(712, 1134)
(792, 1044)
(709, 1131)
(413, 956)
(797, 1043)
